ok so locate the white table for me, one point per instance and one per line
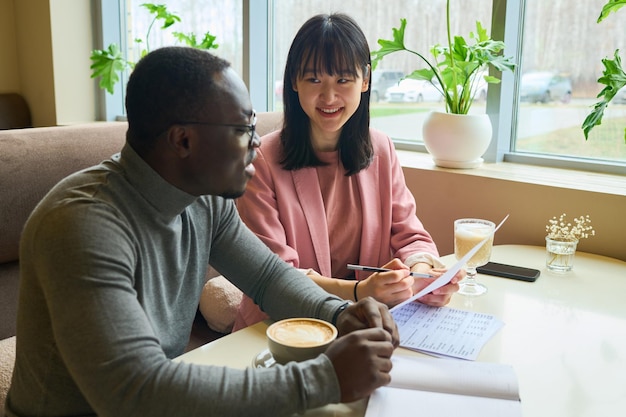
(564, 334)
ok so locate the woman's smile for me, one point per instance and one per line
(330, 111)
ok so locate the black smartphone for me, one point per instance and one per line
(509, 271)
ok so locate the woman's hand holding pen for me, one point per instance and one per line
(389, 287)
(395, 285)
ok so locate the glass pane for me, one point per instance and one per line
(222, 18)
(561, 62)
(400, 115)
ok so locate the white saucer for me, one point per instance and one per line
(263, 360)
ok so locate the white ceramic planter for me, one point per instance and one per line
(457, 140)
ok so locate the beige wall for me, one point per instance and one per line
(44, 52)
(9, 78)
(75, 97)
(445, 195)
(34, 48)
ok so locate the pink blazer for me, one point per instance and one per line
(285, 209)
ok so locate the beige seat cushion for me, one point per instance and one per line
(219, 303)
(7, 360)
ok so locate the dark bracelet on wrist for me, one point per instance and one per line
(355, 285)
(339, 311)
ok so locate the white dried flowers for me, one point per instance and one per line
(559, 229)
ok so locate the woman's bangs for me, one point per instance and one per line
(331, 58)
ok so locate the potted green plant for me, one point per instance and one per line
(613, 77)
(455, 71)
(110, 62)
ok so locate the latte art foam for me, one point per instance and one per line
(302, 333)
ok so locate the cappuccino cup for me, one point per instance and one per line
(299, 339)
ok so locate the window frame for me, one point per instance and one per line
(502, 100)
(109, 21)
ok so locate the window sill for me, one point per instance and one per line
(554, 177)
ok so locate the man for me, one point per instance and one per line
(113, 261)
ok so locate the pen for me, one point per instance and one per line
(374, 269)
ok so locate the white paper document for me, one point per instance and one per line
(443, 388)
(444, 331)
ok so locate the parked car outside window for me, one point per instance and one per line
(382, 80)
(412, 91)
(418, 91)
(544, 87)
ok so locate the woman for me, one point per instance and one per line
(328, 189)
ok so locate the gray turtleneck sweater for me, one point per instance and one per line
(112, 264)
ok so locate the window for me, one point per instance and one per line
(562, 45)
(128, 23)
(537, 111)
(222, 18)
(562, 53)
(400, 116)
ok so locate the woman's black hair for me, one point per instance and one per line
(333, 44)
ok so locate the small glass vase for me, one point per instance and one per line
(560, 254)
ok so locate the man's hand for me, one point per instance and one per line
(361, 355)
(362, 361)
(365, 314)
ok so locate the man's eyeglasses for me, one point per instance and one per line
(250, 129)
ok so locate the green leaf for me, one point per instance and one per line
(611, 6)
(107, 63)
(481, 32)
(161, 13)
(189, 40)
(491, 80)
(389, 46)
(208, 42)
(460, 50)
(424, 74)
(614, 78)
